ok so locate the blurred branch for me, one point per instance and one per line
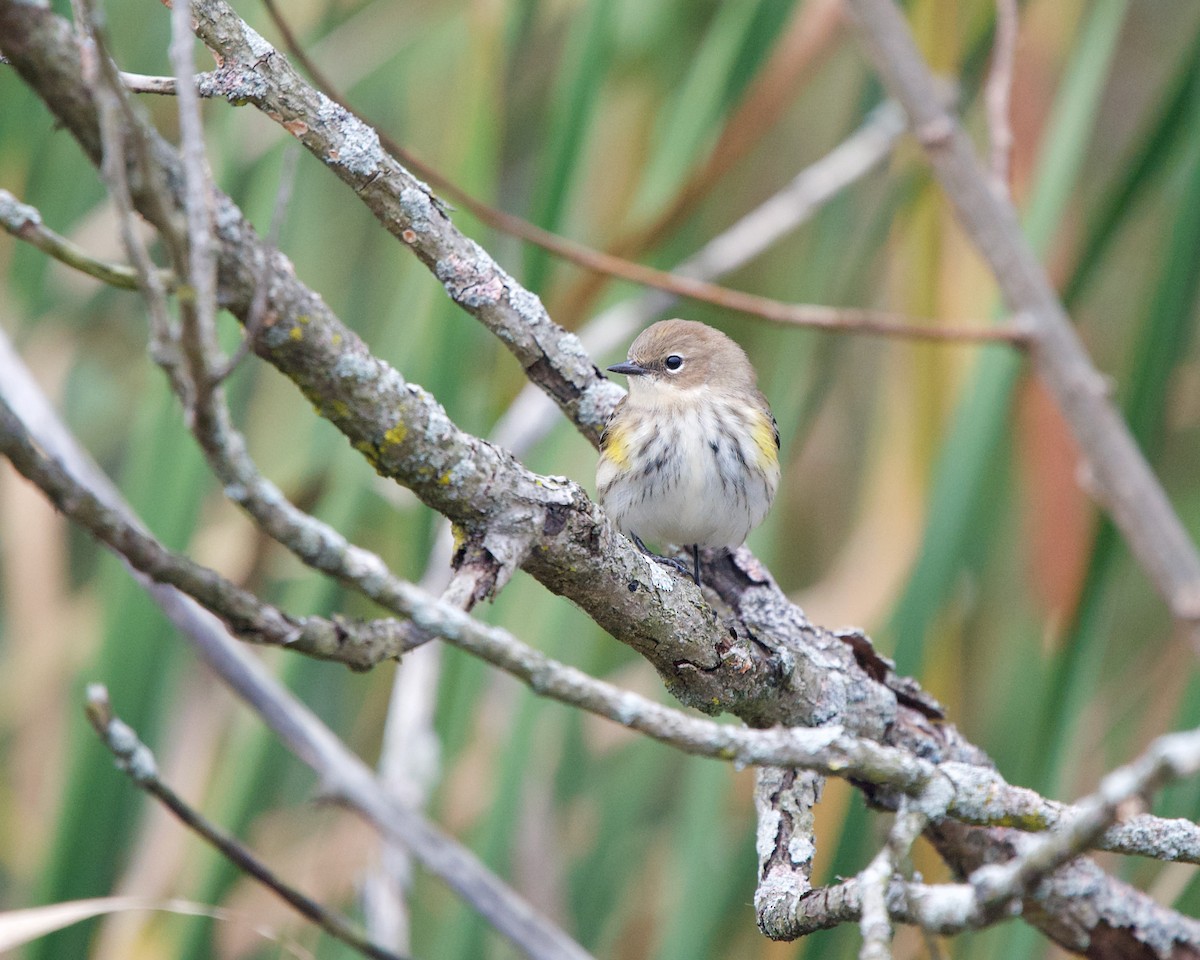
(1122, 479)
(406, 434)
(810, 36)
(135, 759)
(767, 663)
(998, 93)
(164, 86)
(288, 100)
(530, 416)
(114, 116)
(358, 645)
(979, 794)
(198, 311)
(25, 223)
(342, 774)
(408, 767)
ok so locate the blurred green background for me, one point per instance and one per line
(930, 494)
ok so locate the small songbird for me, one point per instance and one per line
(691, 455)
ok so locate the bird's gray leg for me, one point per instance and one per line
(673, 562)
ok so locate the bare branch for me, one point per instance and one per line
(199, 310)
(136, 760)
(113, 120)
(530, 416)
(828, 750)
(998, 93)
(341, 772)
(791, 672)
(993, 889)
(1125, 484)
(358, 645)
(464, 272)
(677, 283)
(941, 908)
(1168, 758)
(406, 434)
(785, 843)
(25, 223)
(258, 306)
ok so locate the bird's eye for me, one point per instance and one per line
(674, 362)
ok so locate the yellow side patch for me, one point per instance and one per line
(764, 439)
(616, 447)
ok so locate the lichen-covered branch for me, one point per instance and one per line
(758, 657)
(343, 775)
(975, 794)
(406, 434)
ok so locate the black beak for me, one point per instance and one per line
(630, 369)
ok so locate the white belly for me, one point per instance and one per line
(679, 490)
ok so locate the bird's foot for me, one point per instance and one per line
(674, 562)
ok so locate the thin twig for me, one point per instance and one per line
(979, 794)
(946, 908)
(998, 93)
(258, 306)
(912, 817)
(1174, 756)
(143, 83)
(833, 319)
(1124, 482)
(25, 223)
(342, 773)
(136, 760)
(111, 112)
(829, 750)
(249, 617)
(531, 415)
(198, 312)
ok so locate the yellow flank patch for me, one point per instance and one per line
(764, 439)
(616, 447)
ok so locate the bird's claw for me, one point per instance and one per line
(674, 562)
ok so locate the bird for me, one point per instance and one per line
(690, 456)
